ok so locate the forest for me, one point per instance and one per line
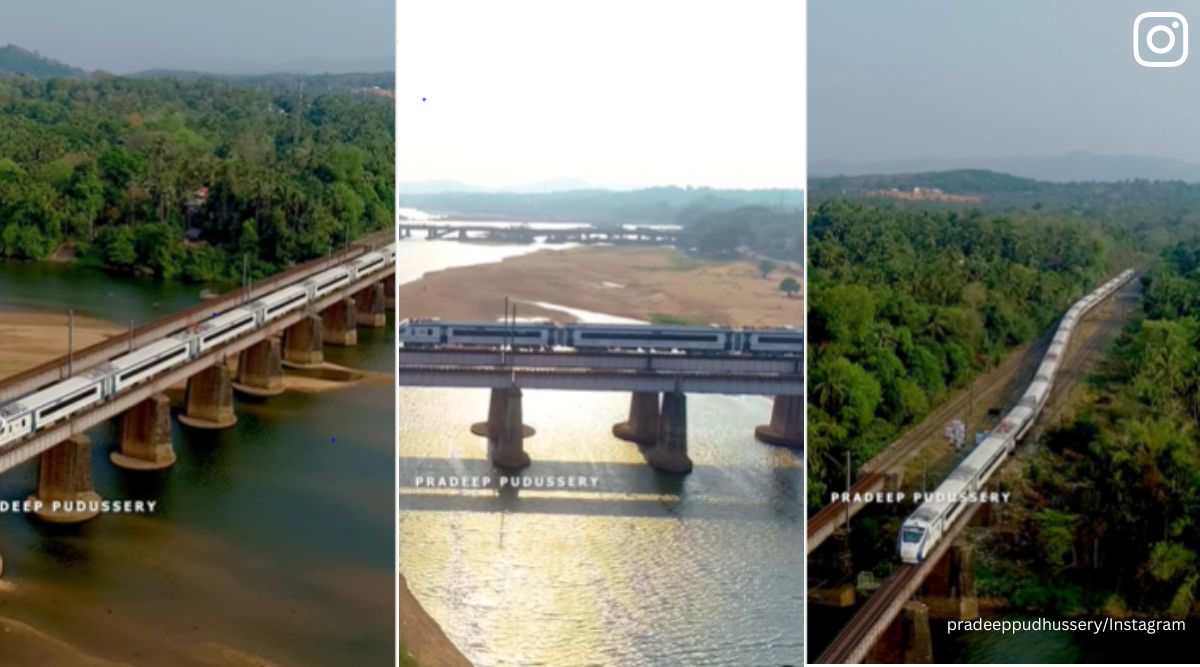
(1113, 499)
(190, 178)
(911, 300)
(907, 305)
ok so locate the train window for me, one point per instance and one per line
(495, 333)
(138, 369)
(226, 329)
(913, 535)
(655, 337)
(68, 402)
(782, 340)
(286, 304)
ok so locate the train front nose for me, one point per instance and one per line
(912, 539)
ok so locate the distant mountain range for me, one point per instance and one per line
(439, 186)
(1075, 166)
(15, 60)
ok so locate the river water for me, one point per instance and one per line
(273, 537)
(647, 569)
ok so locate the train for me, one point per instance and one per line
(546, 336)
(925, 527)
(58, 401)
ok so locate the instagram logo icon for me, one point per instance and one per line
(1160, 39)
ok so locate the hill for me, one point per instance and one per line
(15, 60)
(1073, 166)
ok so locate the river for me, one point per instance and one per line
(647, 569)
(274, 537)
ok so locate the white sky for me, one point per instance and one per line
(618, 93)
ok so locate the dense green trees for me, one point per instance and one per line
(184, 178)
(908, 304)
(1112, 503)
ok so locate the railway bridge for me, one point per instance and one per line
(294, 338)
(522, 233)
(658, 384)
(892, 625)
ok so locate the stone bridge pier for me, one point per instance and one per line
(260, 369)
(209, 401)
(907, 640)
(146, 436)
(505, 431)
(65, 476)
(370, 304)
(787, 423)
(389, 292)
(950, 589)
(302, 343)
(339, 324)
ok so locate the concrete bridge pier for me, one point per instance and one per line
(146, 436)
(504, 430)
(302, 343)
(339, 323)
(670, 449)
(370, 304)
(787, 423)
(644, 414)
(907, 640)
(260, 369)
(65, 486)
(497, 409)
(949, 591)
(209, 402)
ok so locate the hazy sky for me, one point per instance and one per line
(614, 92)
(910, 79)
(124, 36)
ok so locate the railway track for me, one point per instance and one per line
(822, 524)
(54, 370)
(854, 640)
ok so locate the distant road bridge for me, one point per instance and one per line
(520, 233)
(659, 384)
(293, 336)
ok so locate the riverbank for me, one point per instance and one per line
(647, 284)
(29, 339)
(422, 639)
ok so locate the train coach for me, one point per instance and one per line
(592, 337)
(60, 400)
(602, 337)
(925, 527)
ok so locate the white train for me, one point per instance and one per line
(924, 528)
(542, 335)
(58, 401)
